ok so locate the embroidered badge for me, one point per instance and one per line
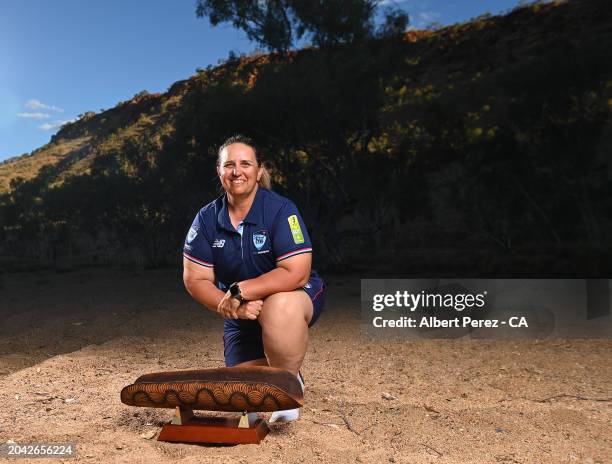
(259, 239)
(193, 231)
(296, 231)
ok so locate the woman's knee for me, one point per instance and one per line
(284, 307)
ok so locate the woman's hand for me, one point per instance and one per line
(228, 306)
(231, 308)
(250, 309)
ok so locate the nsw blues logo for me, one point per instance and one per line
(193, 232)
(259, 239)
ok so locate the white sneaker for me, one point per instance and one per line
(288, 415)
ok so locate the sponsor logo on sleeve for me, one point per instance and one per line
(296, 231)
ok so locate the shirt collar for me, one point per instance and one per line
(254, 216)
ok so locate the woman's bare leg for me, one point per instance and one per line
(254, 362)
(284, 322)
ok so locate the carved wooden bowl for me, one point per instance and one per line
(237, 389)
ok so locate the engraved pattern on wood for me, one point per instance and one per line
(213, 396)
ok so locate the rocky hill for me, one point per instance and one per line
(487, 139)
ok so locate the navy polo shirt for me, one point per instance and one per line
(272, 231)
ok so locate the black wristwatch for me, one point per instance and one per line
(235, 292)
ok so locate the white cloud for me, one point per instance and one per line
(28, 115)
(391, 2)
(55, 124)
(34, 104)
(425, 18)
(428, 15)
(410, 5)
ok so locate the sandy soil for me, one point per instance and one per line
(69, 343)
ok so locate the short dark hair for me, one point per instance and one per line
(238, 138)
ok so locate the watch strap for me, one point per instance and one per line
(235, 292)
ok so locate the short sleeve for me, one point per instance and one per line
(290, 237)
(197, 248)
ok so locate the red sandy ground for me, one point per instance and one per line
(70, 342)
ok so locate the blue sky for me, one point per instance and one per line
(61, 58)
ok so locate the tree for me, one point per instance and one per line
(396, 22)
(277, 24)
(332, 22)
(265, 22)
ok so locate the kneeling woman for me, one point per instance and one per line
(248, 257)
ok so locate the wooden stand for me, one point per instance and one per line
(226, 430)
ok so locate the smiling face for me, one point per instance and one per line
(238, 170)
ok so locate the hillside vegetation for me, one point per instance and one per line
(481, 148)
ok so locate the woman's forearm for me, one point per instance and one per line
(204, 292)
(277, 280)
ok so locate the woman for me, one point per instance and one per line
(248, 257)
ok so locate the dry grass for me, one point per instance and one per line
(28, 167)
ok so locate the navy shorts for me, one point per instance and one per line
(242, 339)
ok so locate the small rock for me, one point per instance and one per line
(500, 430)
(118, 447)
(10, 442)
(430, 409)
(392, 459)
(37, 370)
(388, 396)
(147, 435)
(68, 400)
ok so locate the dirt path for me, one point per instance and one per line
(70, 342)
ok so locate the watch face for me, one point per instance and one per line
(234, 289)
